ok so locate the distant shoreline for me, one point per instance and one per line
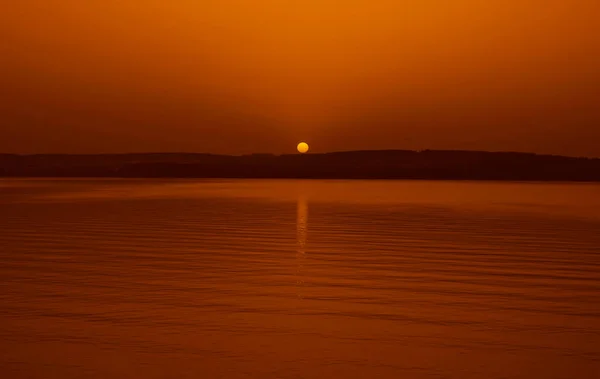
(363, 165)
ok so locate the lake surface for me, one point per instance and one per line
(299, 279)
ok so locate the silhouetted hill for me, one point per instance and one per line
(368, 164)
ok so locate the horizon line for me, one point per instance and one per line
(308, 153)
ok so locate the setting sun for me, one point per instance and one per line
(302, 147)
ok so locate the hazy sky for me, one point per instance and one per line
(241, 76)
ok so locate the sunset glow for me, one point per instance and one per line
(162, 214)
(249, 76)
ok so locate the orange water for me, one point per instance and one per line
(299, 279)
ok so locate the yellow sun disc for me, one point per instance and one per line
(302, 147)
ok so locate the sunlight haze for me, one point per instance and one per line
(256, 76)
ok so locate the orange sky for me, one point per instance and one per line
(243, 76)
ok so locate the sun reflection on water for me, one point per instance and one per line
(301, 235)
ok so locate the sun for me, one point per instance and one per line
(302, 147)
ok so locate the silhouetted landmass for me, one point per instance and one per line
(377, 164)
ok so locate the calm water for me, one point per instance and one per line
(299, 279)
